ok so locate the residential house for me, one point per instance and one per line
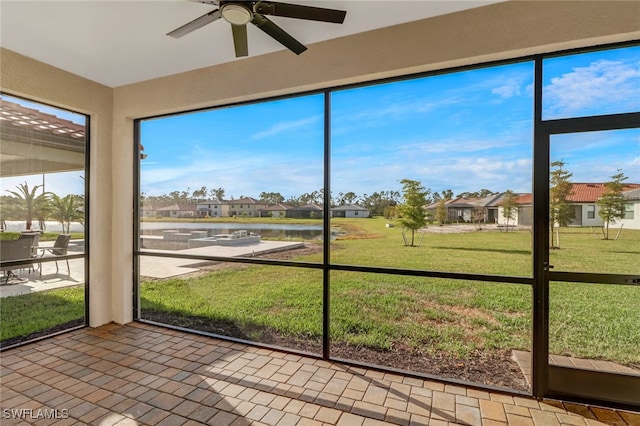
(583, 197)
(309, 211)
(180, 210)
(631, 219)
(246, 207)
(147, 210)
(584, 200)
(521, 216)
(186, 74)
(276, 211)
(432, 209)
(213, 208)
(350, 210)
(484, 210)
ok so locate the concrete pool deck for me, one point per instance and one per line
(165, 267)
(150, 266)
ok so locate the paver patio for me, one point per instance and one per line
(144, 374)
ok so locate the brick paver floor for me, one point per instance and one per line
(142, 374)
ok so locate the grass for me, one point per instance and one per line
(46, 236)
(455, 317)
(382, 311)
(31, 313)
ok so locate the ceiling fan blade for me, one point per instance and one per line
(278, 33)
(240, 40)
(300, 12)
(200, 22)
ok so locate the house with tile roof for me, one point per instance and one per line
(179, 210)
(584, 197)
(213, 208)
(246, 207)
(276, 210)
(631, 219)
(470, 209)
(350, 210)
(523, 216)
(309, 211)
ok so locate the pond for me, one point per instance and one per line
(280, 231)
(49, 226)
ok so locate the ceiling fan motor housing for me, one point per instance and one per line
(236, 13)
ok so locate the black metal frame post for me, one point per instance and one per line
(326, 230)
(540, 314)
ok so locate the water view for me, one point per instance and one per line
(280, 231)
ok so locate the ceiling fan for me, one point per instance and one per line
(240, 13)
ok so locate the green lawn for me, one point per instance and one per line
(32, 313)
(454, 317)
(46, 236)
(382, 311)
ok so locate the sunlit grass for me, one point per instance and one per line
(32, 313)
(46, 236)
(456, 317)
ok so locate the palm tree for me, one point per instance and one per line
(67, 209)
(27, 204)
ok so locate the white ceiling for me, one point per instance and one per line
(118, 42)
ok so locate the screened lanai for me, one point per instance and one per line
(127, 99)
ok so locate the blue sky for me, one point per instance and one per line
(463, 131)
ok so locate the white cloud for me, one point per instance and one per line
(508, 90)
(284, 126)
(603, 84)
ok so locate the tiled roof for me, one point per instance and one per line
(311, 207)
(590, 192)
(633, 194)
(277, 207)
(247, 200)
(180, 207)
(349, 207)
(435, 205)
(463, 202)
(525, 199)
(585, 193)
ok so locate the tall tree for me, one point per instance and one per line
(560, 212)
(349, 198)
(412, 213)
(509, 206)
(441, 211)
(218, 193)
(27, 203)
(478, 216)
(612, 202)
(271, 197)
(199, 194)
(447, 194)
(67, 209)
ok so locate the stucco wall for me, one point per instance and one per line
(34, 80)
(500, 31)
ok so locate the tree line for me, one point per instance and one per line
(25, 203)
(379, 203)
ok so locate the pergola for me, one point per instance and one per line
(34, 142)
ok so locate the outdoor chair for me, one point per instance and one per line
(59, 248)
(11, 250)
(34, 237)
